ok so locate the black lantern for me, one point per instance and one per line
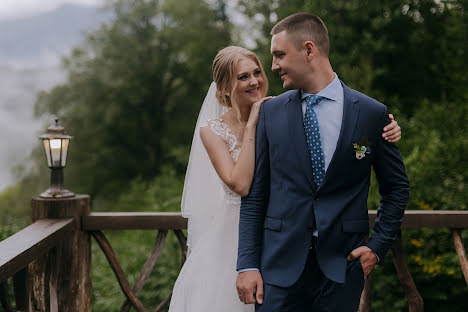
(56, 147)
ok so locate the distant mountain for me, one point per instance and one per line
(43, 37)
(18, 127)
(30, 52)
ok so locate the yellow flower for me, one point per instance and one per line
(432, 269)
(423, 205)
(417, 259)
(417, 242)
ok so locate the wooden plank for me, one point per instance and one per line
(183, 245)
(457, 241)
(415, 301)
(175, 221)
(163, 304)
(118, 271)
(430, 219)
(18, 250)
(365, 304)
(4, 298)
(21, 288)
(147, 268)
(134, 221)
(38, 283)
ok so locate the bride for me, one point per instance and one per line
(220, 171)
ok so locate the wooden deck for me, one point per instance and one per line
(49, 261)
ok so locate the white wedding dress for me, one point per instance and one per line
(207, 281)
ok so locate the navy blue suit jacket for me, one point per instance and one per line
(278, 213)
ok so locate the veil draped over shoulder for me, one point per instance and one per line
(207, 280)
(203, 192)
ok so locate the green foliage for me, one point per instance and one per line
(400, 52)
(437, 156)
(163, 193)
(10, 225)
(133, 90)
(33, 180)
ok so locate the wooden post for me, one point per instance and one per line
(460, 249)
(21, 290)
(365, 303)
(4, 300)
(415, 301)
(61, 280)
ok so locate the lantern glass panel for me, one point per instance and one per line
(56, 151)
(47, 151)
(64, 151)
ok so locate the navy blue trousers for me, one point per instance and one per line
(313, 292)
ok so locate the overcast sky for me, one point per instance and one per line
(13, 9)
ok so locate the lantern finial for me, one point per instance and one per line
(56, 143)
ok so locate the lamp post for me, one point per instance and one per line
(56, 143)
(65, 271)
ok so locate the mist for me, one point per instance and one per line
(31, 50)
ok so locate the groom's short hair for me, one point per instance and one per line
(303, 27)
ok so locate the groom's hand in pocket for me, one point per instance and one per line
(250, 287)
(366, 256)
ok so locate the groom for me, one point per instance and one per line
(304, 225)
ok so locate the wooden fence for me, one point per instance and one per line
(49, 262)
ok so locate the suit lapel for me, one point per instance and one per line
(296, 131)
(348, 124)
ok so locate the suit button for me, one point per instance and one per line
(310, 229)
(316, 197)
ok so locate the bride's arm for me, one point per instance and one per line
(236, 175)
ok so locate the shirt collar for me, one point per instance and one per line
(330, 91)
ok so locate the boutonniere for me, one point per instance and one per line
(362, 148)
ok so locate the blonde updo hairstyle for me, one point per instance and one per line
(225, 76)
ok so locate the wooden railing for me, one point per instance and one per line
(49, 261)
(454, 220)
(24, 247)
(163, 222)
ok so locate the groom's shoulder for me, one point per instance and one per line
(282, 98)
(365, 101)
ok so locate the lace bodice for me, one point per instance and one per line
(222, 129)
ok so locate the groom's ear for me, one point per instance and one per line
(310, 50)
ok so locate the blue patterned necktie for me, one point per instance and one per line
(312, 131)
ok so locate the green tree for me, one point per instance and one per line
(401, 52)
(133, 91)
